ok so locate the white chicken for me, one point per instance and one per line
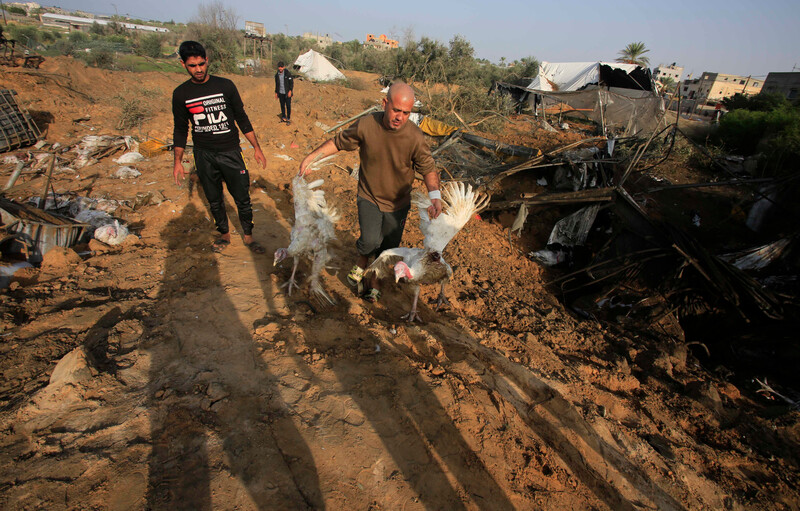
(312, 233)
(426, 265)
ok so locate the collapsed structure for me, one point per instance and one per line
(621, 98)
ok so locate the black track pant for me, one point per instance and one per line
(379, 231)
(214, 168)
(286, 106)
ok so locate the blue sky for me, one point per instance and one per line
(733, 36)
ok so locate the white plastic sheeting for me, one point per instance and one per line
(317, 68)
(571, 76)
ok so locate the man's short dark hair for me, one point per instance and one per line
(280, 63)
(191, 49)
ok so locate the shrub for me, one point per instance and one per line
(150, 46)
(135, 109)
(65, 47)
(25, 34)
(78, 37)
(763, 123)
(13, 9)
(472, 104)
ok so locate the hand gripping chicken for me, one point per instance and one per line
(426, 265)
(311, 235)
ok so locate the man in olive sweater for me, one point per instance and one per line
(211, 104)
(391, 149)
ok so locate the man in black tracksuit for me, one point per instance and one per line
(284, 85)
(211, 104)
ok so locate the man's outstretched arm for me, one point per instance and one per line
(328, 148)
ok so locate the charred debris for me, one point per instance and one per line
(626, 246)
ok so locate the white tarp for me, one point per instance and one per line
(621, 110)
(571, 76)
(316, 67)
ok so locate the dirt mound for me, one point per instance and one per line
(161, 373)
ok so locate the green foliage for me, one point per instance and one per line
(13, 9)
(214, 27)
(99, 54)
(78, 37)
(763, 102)
(97, 29)
(65, 47)
(25, 34)
(150, 46)
(765, 123)
(633, 53)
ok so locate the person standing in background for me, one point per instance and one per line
(284, 86)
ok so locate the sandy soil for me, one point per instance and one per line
(158, 374)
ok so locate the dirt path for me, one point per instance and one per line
(161, 374)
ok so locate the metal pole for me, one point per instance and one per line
(43, 198)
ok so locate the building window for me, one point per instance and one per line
(755, 84)
(741, 82)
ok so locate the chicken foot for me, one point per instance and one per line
(412, 314)
(289, 284)
(442, 299)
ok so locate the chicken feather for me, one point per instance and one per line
(426, 265)
(312, 234)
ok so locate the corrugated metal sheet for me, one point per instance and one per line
(36, 231)
(17, 128)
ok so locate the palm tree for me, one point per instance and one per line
(634, 54)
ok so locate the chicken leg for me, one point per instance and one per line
(442, 299)
(412, 314)
(292, 282)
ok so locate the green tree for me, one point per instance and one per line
(150, 45)
(633, 53)
(763, 102)
(214, 27)
(13, 9)
(668, 83)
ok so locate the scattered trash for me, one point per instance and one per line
(126, 172)
(758, 258)
(131, 157)
(36, 231)
(549, 257)
(284, 157)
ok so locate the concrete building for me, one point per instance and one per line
(323, 41)
(787, 84)
(713, 87)
(381, 42)
(672, 71)
(77, 23)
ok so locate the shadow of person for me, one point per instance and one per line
(602, 468)
(221, 433)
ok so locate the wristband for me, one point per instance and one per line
(435, 194)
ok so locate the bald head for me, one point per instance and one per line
(397, 106)
(400, 92)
